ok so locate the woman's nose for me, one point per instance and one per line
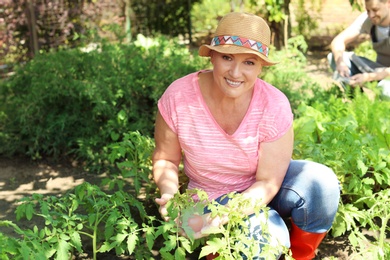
(235, 70)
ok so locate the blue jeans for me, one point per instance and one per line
(309, 195)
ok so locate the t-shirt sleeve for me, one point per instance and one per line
(279, 116)
(361, 25)
(284, 121)
(175, 99)
(166, 108)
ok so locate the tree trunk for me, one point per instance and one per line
(32, 25)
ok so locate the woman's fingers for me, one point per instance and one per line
(163, 202)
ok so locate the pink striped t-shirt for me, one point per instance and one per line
(214, 161)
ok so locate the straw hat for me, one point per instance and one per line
(241, 33)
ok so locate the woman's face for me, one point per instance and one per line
(235, 74)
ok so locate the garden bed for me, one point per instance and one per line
(21, 177)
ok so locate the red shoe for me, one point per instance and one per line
(304, 244)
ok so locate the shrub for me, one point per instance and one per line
(67, 103)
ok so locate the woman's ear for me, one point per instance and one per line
(212, 56)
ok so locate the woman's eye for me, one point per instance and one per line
(226, 57)
(249, 63)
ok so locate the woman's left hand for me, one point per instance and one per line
(204, 225)
(211, 225)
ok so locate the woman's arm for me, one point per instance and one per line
(166, 160)
(274, 159)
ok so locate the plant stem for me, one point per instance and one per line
(382, 234)
(94, 237)
(86, 234)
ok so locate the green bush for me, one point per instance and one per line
(68, 103)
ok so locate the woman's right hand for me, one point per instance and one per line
(163, 202)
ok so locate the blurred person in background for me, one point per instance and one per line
(356, 70)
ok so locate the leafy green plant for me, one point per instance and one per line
(31, 245)
(110, 224)
(115, 221)
(352, 138)
(132, 157)
(375, 218)
(231, 241)
(9, 246)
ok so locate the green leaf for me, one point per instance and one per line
(362, 167)
(208, 249)
(165, 228)
(213, 230)
(353, 239)
(110, 223)
(92, 219)
(64, 236)
(132, 240)
(122, 115)
(185, 244)
(339, 229)
(79, 226)
(80, 191)
(368, 181)
(75, 239)
(44, 208)
(63, 248)
(150, 238)
(20, 211)
(29, 211)
(106, 247)
(114, 136)
(170, 243)
(180, 254)
(42, 233)
(380, 166)
(166, 255)
(25, 250)
(119, 238)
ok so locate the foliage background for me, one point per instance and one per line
(31, 26)
(96, 105)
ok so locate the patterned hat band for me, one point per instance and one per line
(241, 41)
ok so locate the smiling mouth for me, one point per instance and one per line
(233, 83)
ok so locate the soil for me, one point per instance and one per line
(21, 177)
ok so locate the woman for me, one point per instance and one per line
(236, 134)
